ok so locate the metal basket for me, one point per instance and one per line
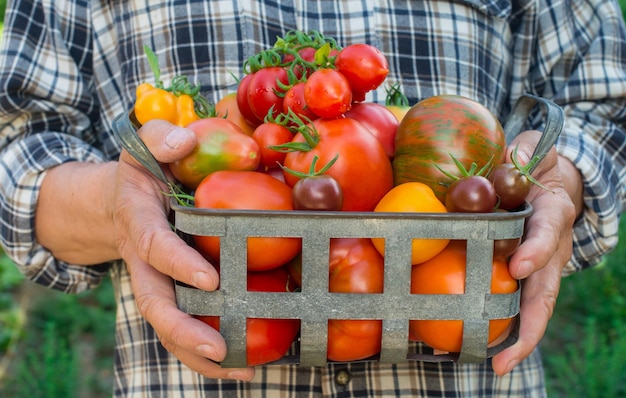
(314, 304)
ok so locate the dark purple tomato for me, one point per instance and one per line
(319, 192)
(503, 248)
(471, 194)
(511, 185)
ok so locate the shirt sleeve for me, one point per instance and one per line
(582, 67)
(46, 115)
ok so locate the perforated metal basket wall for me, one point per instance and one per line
(314, 304)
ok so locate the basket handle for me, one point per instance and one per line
(553, 124)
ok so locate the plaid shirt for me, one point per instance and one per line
(69, 67)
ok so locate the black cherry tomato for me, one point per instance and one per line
(471, 194)
(317, 192)
(511, 185)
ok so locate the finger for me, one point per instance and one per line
(155, 299)
(539, 293)
(213, 370)
(544, 231)
(194, 343)
(167, 142)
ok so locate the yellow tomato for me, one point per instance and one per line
(413, 197)
(399, 111)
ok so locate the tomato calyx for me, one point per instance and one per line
(525, 170)
(395, 97)
(312, 172)
(299, 124)
(483, 171)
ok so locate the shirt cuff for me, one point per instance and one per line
(23, 166)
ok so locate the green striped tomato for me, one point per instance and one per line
(439, 128)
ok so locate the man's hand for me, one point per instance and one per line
(546, 247)
(155, 255)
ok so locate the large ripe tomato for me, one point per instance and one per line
(413, 197)
(445, 274)
(379, 120)
(364, 65)
(227, 107)
(267, 340)
(222, 145)
(354, 267)
(249, 190)
(362, 168)
(442, 127)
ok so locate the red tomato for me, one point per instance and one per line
(242, 101)
(227, 107)
(364, 66)
(268, 134)
(294, 101)
(379, 120)
(249, 190)
(264, 92)
(327, 93)
(267, 340)
(222, 145)
(442, 127)
(362, 168)
(445, 274)
(355, 266)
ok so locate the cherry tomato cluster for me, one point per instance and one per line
(308, 75)
(298, 135)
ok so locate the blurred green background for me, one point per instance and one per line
(56, 345)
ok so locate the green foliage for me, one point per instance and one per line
(594, 368)
(65, 349)
(585, 344)
(50, 372)
(11, 318)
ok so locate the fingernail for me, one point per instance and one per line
(523, 269)
(176, 137)
(239, 375)
(202, 280)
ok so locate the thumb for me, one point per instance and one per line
(167, 142)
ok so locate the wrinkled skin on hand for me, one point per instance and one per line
(155, 255)
(546, 248)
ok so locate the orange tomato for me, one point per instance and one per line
(445, 274)
(227, 107)
(355, 266)
(247, 190)
(413, 197)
